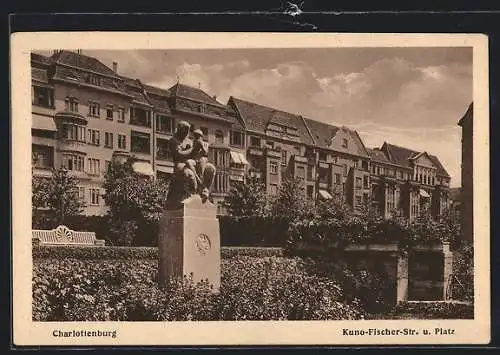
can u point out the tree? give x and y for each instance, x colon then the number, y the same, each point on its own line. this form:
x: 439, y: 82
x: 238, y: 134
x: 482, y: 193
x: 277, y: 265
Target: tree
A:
x: 135, y: 204
x: 291, y: 201
x: 247, y: 199
x: 59, y: 193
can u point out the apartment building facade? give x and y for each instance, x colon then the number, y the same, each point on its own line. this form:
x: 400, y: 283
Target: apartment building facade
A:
x: 85, y: 114
x: 467, y: 169
x: 407, y: 181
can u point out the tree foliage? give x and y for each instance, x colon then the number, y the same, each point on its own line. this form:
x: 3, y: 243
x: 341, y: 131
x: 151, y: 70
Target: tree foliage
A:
x: 247, y: 199
x: 135, y: 204
x: 59, y: 193
x: 291, y: 202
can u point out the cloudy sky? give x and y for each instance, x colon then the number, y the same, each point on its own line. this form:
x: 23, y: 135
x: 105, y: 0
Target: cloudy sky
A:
x: 412, y: 97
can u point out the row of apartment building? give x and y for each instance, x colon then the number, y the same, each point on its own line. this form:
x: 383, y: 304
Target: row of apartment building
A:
x: 84, y: 114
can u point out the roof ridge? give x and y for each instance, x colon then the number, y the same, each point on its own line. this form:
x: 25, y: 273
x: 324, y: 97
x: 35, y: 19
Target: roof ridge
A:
x: 308, y: 129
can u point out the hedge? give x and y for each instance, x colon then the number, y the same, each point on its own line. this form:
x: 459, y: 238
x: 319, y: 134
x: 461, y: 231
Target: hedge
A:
x: 135, y: 253
x: 253, y: 231
x: 126, y: 290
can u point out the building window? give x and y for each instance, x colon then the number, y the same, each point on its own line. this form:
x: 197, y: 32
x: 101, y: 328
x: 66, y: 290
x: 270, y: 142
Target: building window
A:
x: 202, y: 108
x: 284, y: 157
x: 365, y: 182
x: 355, y: 164
x: 364, y: 165
x: 273, y: 189
x: 273, y: 167
x: 322, y: 156
x: 140, y: 117
x: 80, y: 193
x: 219, y: 137
x: 109, y: 112
x: 94, y: 109
x: 122, y: 141
x: 323, y: 175
x: 358, y: 200
x: 42, y: 156
x: 237, y: 138
x: 344, y: 143
x: 94, y: 197
x: 390, y: 200
x: 73, y: 132
x: 374, y: 169
x: 345, y: 169
x: 93, y: 166
x: 309, y: 172
x: 94, y: 137
x: 164, y: 124
x: 338, y: 179
x: 162, y: 150
x: 301, y: 172
x: 270, y: 144
x: 358, y: 182
x: 379, y: 171
x: 43, y: 97
x: 254, y: 141
x: 71, y: 104
x: 433, y: 180
x: 365, y: 199
x: 335, y: 160
x: 73, y: 162
x: 140, y: 142
x: 108, y: 140
x: 310, y: 191
x: 121, y: 114
x: 420, y: 178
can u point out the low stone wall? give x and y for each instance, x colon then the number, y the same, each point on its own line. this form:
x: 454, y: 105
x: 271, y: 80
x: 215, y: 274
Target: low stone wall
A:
x: 420, y: 274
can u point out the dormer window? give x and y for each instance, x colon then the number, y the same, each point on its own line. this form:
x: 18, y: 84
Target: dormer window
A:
x: 94, y: 80
x: 344, y: 143
x: 202, y: 108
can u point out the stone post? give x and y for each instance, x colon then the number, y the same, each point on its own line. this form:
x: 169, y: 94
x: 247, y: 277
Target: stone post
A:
x: 447, y: 267
x: 402, y: 277
x: 189, y: 242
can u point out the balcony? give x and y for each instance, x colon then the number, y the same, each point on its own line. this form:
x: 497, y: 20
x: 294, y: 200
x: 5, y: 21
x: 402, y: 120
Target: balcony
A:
x: 71, y: 117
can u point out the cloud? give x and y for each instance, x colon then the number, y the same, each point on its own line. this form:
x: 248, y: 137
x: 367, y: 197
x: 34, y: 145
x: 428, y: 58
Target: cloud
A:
x: 390, y: 100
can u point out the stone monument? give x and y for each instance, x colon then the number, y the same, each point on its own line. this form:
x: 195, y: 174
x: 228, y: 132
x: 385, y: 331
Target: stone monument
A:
x: 189, y: 237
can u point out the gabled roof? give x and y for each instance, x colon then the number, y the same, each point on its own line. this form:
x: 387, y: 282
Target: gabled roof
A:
x: 82, y: 62
x: 468, y: 114
x: 401, y: 156
x: 322, y: 132
x: 195, y: 94
x: 256, y: 118
x: 378, y: 156
x: 158, y: 98
x: 135, y: 89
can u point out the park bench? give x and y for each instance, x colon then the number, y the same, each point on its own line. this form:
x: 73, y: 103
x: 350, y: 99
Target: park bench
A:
x: 62, y: 235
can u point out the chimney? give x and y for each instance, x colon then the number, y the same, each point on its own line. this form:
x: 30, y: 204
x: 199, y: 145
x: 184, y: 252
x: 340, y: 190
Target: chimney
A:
x: 115, y: 67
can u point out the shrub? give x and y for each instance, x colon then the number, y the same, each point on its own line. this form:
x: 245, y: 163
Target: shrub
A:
x: 135, y: 253
x: 251, y: 289
x: 462, y: 284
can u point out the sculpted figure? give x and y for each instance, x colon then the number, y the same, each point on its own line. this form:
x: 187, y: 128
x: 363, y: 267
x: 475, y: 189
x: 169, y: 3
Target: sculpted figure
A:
x: 192, y: 171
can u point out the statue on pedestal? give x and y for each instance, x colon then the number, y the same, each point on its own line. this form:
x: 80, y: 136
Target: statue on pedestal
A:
x: 193, y: 174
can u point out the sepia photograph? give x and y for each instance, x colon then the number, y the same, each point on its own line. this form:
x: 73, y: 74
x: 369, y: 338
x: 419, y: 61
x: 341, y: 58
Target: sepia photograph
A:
x: 218, y: 185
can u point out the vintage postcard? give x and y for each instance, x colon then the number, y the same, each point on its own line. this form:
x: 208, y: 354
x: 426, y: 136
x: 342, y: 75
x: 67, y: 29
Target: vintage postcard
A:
x: 250, y: 189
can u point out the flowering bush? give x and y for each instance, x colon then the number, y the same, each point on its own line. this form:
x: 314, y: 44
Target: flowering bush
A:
x: 272, y: 288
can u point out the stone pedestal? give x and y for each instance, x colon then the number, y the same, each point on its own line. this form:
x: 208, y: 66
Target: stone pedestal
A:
x: 447, y: 268
x: 189, y: 242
